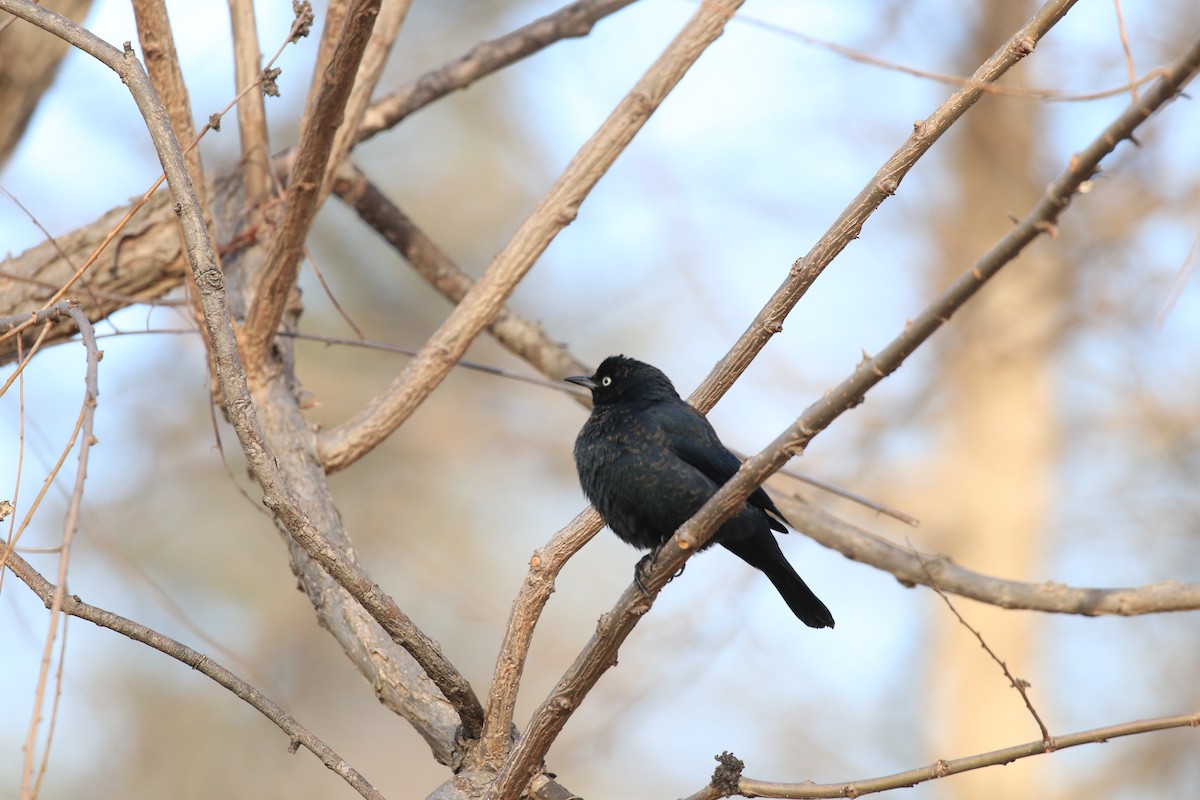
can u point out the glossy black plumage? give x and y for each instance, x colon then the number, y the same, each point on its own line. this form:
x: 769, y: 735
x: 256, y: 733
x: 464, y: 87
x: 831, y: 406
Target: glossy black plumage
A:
x: 648, y: 461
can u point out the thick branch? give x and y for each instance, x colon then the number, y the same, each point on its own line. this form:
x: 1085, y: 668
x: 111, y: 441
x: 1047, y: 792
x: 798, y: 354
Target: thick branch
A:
x: 278, y: 495
x: 370, y: 70
x: 353, y: 439
x: 162, y: 65
x: 321, y: 121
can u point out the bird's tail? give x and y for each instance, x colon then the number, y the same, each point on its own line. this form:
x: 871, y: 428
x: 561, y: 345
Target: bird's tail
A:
x: 762, y: 552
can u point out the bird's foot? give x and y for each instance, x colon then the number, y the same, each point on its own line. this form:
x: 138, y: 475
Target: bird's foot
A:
x: 644, y: 563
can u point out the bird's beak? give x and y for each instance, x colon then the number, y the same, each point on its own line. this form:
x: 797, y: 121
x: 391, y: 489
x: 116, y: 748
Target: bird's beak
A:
x: 582, y: 380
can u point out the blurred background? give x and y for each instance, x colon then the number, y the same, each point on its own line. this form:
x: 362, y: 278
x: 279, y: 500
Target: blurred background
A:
x: 1050, y: 432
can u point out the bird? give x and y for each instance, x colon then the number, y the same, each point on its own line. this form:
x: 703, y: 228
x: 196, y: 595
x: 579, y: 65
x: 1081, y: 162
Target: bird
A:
x: 648, y: 460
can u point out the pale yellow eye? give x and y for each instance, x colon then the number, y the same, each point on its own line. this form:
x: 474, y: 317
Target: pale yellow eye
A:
x: 606, y: 381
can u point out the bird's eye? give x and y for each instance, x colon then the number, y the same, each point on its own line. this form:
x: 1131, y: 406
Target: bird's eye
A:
x: 606, y: 380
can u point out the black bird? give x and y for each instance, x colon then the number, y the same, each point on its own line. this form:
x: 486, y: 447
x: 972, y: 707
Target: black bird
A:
x: 648, y: 461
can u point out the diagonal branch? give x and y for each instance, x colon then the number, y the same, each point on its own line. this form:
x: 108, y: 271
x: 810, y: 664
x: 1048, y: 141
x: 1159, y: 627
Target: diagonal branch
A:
x: 535, y: 591
x: 883, y: 184
x: 1019, y: 684
x: 518, y: 335
x: 297, y: 733
x: 571, y: 21
x: 278, y: 276
x: 370, y: 70
x: 243, y: 416
x: 601, y: 651
x: 151, y: 259
x: 345, y: 444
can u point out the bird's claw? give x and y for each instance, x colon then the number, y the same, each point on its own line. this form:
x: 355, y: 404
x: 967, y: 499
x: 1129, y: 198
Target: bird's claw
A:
x: 641, y: 565
x: 644, y: 563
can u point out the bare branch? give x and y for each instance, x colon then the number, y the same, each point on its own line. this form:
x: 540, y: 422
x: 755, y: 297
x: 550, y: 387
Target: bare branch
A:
x: 573, y: 20
x: 162, y: 65
x: 297, y: 733
x: 868, y: 548
x: 600, y: 652
x: 518, y: 335
x: 1019, y: 684
x: 278, y: 494
x: 277, y: 278
x: 251, y: 110
x: 749, y: 787
x: 391, y: 18
x: 1050, y: 95
x: 544, y: 567
x: 883, y: 185
x: 83, y: 432
x: 354, y: 438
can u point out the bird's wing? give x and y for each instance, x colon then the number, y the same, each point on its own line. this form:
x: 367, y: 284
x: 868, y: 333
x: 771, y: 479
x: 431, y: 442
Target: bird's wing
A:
x: 691, y: 437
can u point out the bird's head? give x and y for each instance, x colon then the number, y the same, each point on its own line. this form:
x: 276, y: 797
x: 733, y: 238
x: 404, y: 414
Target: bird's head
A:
x: 620, y: 379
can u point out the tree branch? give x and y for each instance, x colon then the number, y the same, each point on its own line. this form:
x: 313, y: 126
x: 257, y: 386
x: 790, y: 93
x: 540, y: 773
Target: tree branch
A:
x: 297, y: 733
x: 519, y: 336
x: 277, y: 278
x: 748, y: 787
x: 883, y: 184
x: 600, y: 652
x: 278, y: 494
x: 251, y: 109
x: 535, y: 591
x: 345, y: 444
x: 906, y: 565
x: 572, y: 20
x: 370, y: 70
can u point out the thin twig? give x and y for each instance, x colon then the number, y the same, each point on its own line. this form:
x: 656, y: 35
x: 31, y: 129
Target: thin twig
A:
x: 749, y: 787
x: 83, y: 431
x: 572, y: 20
x: 1049, y: 95
x: 1020, y: 684
x: 1133, y: 86
x: 1186, y: 270
x: 297, y: 733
